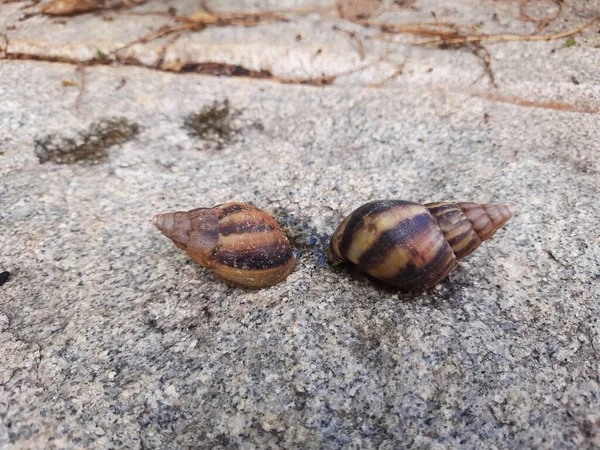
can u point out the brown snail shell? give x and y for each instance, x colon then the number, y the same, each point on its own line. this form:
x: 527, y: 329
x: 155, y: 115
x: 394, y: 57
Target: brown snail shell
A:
x: 414, y: 246
x: 236, y: 241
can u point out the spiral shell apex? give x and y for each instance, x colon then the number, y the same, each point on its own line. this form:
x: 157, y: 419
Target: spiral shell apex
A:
x: 414, y: 246
x: 236, y: 241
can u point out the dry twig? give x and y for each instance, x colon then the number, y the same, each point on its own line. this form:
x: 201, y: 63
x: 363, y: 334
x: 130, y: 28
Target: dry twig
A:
x: 352, y: 35
x: 399, y: 71
x: 448, y: 34
x: 458, y: 40
x: 486, y: 60
x: 203, y: 18
x: 544, y: 21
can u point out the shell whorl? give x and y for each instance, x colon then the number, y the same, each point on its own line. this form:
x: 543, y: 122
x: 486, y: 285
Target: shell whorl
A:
x: 395, y: 241
x: 195, y: 231
x: 466, y: 225
x: 236, y: 241
x: 414, y: 246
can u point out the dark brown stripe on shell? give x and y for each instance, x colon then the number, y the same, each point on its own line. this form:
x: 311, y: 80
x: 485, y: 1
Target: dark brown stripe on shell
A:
x: 264, y: 256
x: 231, y: 209
x: 452, y: 218
x: 358, y: 215
x: 439, y: 208
x: 449, y: 217
x: 468, y: 234
x: 246, y: 227
x: 474, y: 242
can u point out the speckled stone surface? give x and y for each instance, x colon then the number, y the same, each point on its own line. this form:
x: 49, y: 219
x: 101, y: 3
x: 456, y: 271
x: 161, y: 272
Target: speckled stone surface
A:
x: 110, y: 337
x: 318, y: 42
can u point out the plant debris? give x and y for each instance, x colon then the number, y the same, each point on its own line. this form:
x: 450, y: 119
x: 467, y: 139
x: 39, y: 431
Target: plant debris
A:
x: 218, y: 70
x: 463, y: 39
x: 203, y: 18
x: 90, y: 147
x: 448, y: 35
x: 74, y: 7
x: 352, y: 35
x: 544, y: 21
x: 358, y: 9
x: 443, y: 34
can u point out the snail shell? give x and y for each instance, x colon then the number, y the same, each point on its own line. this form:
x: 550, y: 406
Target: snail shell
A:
x: 414, y: 246
x: 236, y: 241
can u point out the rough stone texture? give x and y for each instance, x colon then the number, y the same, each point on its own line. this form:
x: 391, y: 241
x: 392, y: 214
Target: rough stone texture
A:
x: 110, y: 337
x: 317, y: 44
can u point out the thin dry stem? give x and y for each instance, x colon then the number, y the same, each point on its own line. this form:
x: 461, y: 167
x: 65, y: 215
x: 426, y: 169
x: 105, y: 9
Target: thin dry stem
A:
x: 399, y: 71
x: 359, y: 43
x: 419, y: 28
x: 486, y: 60
x: 81, y: 90
x: 152, y: 36
x: 163, y: 51
x: 329, y: 79
x: 505, y: 37
x: 204, y: 17
x: 544, y: 21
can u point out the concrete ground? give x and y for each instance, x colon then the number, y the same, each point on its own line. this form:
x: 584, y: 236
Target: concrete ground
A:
x: 111, y: 337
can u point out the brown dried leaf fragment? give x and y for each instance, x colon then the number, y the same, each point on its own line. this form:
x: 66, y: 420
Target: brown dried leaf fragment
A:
x: 74, y: 7
x: 70, y: 7
x: 69, y: 83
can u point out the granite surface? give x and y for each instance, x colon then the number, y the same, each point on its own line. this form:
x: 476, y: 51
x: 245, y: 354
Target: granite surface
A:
x: 111, y: 337
x: 314, y: 41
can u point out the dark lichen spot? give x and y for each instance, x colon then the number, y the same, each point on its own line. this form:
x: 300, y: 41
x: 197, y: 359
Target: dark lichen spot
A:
x: 4, y: 276
x: 212, y: 125
x: 90, y: 147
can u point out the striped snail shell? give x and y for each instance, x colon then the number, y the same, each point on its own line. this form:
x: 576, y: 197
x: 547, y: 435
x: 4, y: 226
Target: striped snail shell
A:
x: 414, y: 246
x: 236, y: 241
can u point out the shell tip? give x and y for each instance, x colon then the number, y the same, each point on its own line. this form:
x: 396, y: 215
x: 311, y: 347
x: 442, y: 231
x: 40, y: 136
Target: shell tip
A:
x: 158, y: 221
x: 512, y: 209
